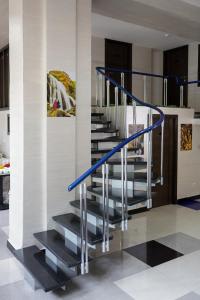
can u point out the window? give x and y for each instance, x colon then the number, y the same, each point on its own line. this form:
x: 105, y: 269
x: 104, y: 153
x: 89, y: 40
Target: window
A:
x: 4, y: 78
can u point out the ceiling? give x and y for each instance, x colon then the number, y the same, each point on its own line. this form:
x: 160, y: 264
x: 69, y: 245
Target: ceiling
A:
x: 4, y: 22
x: 179, y: 18
x: 106, y: 27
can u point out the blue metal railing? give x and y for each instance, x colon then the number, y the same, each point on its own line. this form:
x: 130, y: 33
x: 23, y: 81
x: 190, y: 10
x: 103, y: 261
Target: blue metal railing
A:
x: 107, y: 156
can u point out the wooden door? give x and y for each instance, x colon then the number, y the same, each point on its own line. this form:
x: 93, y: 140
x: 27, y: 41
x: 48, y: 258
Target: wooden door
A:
x: 166, y: 194
x: 118, y: 55
x: 176, y: 63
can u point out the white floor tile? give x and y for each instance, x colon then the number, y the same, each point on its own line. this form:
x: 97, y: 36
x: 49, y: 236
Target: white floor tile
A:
x: 10, y: 271
x: 184, y: 270
x: 151, y: 285
x: 5, y: 229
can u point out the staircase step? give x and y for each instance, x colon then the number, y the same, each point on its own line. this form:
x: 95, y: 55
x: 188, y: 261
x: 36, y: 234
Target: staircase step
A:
x: 97, y: 114
x: 115, y: 195
x: 138, y: 177
x: 40, y: 272
x: 138, y: 161
x: 105, y: 130
x: 58, y: 275
x: 96, y: 210
x: 109, y: 139
x: 101, y: 122
x: 72, y: 223
x: 101, y: 151
x: 55, y: 243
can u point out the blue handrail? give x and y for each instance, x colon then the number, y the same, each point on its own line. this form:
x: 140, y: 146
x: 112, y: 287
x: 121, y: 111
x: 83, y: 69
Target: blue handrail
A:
x: 100, y: 162
x: 185, y: 82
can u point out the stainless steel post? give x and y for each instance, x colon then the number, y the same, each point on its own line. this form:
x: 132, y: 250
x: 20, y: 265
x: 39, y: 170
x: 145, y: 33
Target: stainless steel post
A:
x: 107, y: 209
x: 108, y: 99
x: 162, y: 153
x: 145, y: 88
x: 122, y: 84
x: 125, y: 189
x: 116, y: 107
x: 85, y: 227
x: 97, y: 89
x: 149, y: 161
x: 165, y: 91
x: 101, y: 90
x: 122, y: 189
x: 82, y: 231
x: 134, y: 113
x: 125, y: 116
x: 104, y: 209
x: 181, y: 95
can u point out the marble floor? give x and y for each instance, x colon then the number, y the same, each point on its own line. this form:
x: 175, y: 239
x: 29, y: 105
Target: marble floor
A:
x: 140, y: 272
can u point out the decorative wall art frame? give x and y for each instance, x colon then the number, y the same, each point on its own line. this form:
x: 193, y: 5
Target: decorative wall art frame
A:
x: 186, y: 137
x: 136, y: 145
x: 61, y: 95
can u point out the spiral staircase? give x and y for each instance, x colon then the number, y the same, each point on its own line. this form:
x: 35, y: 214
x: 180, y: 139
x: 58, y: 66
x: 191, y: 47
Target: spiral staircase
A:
x: 117, y: 182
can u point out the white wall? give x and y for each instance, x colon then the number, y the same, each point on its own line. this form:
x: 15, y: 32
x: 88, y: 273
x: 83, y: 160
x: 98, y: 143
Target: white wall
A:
x: 4, y: 137
x: 193, y: 90
x: 143, y: 60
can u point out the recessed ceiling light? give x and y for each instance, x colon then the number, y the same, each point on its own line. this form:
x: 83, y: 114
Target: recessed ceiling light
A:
x: 166, y: 35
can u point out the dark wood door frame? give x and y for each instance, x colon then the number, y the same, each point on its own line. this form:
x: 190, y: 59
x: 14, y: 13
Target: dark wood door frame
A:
x: 119, y: 55
x: 166, y: 194
x: 175, y: 62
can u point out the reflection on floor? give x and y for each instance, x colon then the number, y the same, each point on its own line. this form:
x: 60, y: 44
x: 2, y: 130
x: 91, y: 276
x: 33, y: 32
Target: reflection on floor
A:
x: 168, y: 270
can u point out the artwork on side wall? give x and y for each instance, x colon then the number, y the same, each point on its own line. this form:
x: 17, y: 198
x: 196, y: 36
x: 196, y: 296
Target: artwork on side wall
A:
x: 138, y: 144
x: 61, y: 95
x: 186, y: 137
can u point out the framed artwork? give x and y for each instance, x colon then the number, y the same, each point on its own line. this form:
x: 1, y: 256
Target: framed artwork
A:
x: 186, y: 137
x: 136, y: 145
x: 61, y: 95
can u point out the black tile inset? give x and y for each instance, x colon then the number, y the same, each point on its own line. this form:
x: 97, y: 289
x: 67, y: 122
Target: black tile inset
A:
x: 153, y: 253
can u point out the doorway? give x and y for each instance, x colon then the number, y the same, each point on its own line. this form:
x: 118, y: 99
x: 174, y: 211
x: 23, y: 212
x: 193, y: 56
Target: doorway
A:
x: 166, y: 194
x: 176, y: 63
x: 118, y: 55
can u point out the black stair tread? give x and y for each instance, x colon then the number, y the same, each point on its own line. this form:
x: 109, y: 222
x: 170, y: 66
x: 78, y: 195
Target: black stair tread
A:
x: 130, y: 161
x: 97, y: 114
x: 97, y: 151
x: 138, y: 177
x: 59, y: 276
x: 55, y: 243
x: 96, y: 209
x: 115, y: 195
x: 100, y: 122
x: 72, y: 223
x: 105, y: 130
x: 109, y: 139
x: 27, y: 257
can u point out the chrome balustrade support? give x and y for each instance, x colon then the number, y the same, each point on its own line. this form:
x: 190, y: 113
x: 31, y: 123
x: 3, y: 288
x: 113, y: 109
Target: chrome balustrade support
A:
x: 145, y: 88
x: 125, y: 187
x: 85, y: 227
x: 181, y: 95
x: 162, y: 154
x: 122, y: 84
x: 116, y: 106
x: 108, y: 99
x: 125, y: 117
x: 101, y: 90
x: 107, y: 209
x: 165, y: 91
x: 97, y: 89
x: 82, y: 231
x: 122, y: 190
x: 104, y: 208
x: 149, y: 161
x: 134, y: 113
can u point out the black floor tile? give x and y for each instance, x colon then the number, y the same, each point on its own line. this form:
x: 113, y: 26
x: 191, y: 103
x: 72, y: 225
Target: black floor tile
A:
x: 153, y: 253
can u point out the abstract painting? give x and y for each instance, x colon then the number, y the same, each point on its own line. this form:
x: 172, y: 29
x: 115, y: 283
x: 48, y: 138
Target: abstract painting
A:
x: 136, y: 145
x: 186, y: 137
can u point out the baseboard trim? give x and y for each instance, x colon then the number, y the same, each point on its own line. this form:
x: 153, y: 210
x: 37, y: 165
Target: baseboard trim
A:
x: 189, y: 198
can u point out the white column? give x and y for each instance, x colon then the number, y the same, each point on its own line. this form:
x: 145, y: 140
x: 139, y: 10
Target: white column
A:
x: 27, y: 111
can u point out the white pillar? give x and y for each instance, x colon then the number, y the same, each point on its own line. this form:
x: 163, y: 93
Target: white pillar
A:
x: 27, y: 111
